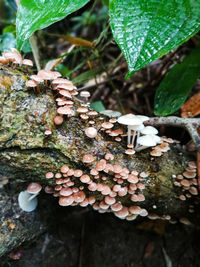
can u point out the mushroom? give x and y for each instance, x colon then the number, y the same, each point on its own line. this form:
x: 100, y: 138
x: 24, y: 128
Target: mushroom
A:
x: 110, y: 113
x: 25, y: 202
x: 85, y: 95
x: 145, y: 141
x: 130, y: 120
x: 34, y: 189
x: 149, y: 130
x: 27, y: 62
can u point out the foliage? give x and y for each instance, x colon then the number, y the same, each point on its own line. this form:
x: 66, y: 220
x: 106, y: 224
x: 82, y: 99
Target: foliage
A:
x: 144, y: 29
x: 176, y: 86
x: 147, y: 29
x: 34, y: 15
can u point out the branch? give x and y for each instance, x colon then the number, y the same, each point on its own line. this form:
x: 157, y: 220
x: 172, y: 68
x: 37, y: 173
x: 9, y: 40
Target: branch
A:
x: 190, y: 124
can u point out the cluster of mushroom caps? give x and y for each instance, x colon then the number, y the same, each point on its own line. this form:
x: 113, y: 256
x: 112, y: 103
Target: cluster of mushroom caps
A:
x: 187, y: 182
x: 139, y: 136
x: 15, y: 58
x: 105, y: 187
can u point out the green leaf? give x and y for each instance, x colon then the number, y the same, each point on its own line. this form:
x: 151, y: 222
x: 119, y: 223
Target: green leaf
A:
x: 33, y: 15
x: 147, y: 29
x: 86, y: 76
x: 10, y: 29
x: 98, y: 106
x: 176, y: 85
x: 8, y: 41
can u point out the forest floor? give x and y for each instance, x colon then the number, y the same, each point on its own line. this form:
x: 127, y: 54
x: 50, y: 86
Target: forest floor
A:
x: 82, y: 237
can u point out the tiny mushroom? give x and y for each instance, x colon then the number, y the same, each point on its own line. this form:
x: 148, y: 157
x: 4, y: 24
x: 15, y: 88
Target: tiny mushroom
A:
x: 34, y: 189
x: 25, y: 202
x: 145, y: 141
x: 130, y: 120
x: 85, y: 95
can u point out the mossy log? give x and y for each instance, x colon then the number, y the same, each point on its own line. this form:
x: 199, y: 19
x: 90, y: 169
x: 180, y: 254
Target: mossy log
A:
x: 16, y: 226
x: 26, y: 154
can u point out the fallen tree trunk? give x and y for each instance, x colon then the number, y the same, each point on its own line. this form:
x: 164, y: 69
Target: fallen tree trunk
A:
x: 27, y: 154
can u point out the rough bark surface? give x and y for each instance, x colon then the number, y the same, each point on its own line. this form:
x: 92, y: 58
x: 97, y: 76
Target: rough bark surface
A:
x: 26, y: 154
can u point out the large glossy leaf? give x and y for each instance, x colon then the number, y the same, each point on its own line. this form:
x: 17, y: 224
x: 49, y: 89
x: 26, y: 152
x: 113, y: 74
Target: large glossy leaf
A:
x: 34, y: 15
x: 177, y: 84
x: 147, y: 29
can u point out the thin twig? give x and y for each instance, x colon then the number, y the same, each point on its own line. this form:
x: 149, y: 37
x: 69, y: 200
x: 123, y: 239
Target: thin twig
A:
x: 190, y: 124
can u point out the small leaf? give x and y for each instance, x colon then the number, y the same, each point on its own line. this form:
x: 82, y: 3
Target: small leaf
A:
x: 8, y: 41
x: 147, y: 29
x: 191, y: 107
x: 33, y: 15
x: 86, y: 76
x: 10, y: 29
x: 175, y: 87
x: 98, y: 106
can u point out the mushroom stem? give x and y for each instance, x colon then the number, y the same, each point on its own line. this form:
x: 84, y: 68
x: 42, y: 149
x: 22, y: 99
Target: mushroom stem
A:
x: 33, y: 196
x: 138, y: 135
x: 141, y: 148
x: 129, y: 135
x: 38, y: 89
x: 133, y: 138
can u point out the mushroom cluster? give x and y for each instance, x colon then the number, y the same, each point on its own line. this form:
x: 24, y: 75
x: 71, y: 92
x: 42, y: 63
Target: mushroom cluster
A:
x: 136, y: 128
x: 105, y: 184
x: 104, y: 187
x: 28, y: 199
x: 15, y: 58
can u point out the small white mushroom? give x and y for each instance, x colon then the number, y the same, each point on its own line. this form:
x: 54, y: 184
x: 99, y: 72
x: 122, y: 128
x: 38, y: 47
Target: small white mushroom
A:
x: 149, y: 130
x: 110, y: 113
x: 137, y: 130
x: 130, y: 120
x: 25, y: 202
x: 145, y: 141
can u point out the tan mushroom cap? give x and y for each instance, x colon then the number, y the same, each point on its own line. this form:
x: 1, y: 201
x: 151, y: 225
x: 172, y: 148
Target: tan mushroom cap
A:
x: 85, y: 178
x: 69, y: 87
x: 27, y: 62
x: 64, y: 169
x: 3, y: 60
x: 116, y: 206
x: 189, y: 175
x: 100, y: 166
x: 34, y: 188
x: 88, y: 158
x: 109, y: 156
x: 107, y: 125
x: 92, y: 113
x: 49, y: 175
x: 66, y: 201
x: 122, y: 213
x: 31, y: 83
x: 85, y: 94
x: 82, y: 110
x: 78, y: 173
x: 67, y: 191
x: 48, y: 75
x: 36, y: 78
x: 65, y: 93
x: 156, y: 153
x: 79, y: 196
x: 64, y: 110
x: 58, y: 120
x: 129, y: 151
x: 61, y: 81
x: 91, y: 132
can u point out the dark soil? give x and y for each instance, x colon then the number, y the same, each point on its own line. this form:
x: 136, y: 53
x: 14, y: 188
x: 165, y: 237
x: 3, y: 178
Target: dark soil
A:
x: 84, y: 238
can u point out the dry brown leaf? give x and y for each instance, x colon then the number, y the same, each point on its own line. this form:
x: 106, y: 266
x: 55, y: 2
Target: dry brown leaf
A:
x: 191, y: 107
